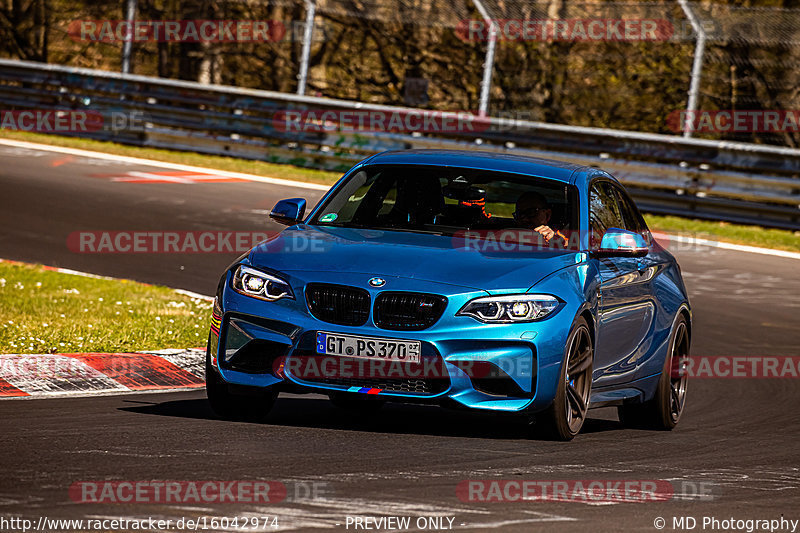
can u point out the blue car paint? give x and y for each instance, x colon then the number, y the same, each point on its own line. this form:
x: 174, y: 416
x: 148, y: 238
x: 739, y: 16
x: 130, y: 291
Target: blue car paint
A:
x: 430, y: 263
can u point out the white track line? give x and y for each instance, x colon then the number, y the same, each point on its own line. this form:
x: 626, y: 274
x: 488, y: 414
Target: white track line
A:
x: 725, y: 245
x: 318, y: 187
x: 196, y: 295
x: 162, y: 164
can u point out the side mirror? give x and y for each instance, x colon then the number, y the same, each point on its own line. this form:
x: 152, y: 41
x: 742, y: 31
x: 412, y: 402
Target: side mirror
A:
x: 289, y: 212
x: 621, y: 243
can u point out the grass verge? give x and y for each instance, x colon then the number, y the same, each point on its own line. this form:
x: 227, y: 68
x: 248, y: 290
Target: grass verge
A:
x: 723, y: 231
x: 719, y: 231
x: 42, y: 311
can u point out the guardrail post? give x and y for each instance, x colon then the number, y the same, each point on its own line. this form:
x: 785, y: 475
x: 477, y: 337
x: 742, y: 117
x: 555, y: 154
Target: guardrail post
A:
x: 127, y: 46
x: 697, y: 68
x: 488, y: 65
x: 308, y: 33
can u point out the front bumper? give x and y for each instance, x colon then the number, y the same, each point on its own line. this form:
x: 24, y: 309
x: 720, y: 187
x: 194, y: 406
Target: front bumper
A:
x: 500, y: 367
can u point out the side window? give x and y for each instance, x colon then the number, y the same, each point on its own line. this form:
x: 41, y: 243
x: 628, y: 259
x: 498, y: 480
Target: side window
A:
x: 630, y: 214
x: 604, y: 212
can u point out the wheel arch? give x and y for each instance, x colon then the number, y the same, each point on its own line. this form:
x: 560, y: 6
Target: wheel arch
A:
x: 587, y: 315
x: 687, y: 314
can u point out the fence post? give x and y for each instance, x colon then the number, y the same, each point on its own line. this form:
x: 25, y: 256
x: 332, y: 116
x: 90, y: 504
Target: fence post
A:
x: 308, y: 33
x: 697, y: 68
x: 488, y: 65
x: 127, y: 46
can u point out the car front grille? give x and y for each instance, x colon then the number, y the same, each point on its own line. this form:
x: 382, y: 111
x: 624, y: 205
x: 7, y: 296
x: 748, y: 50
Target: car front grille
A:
x: 407, y: 378
x: 413, y: 386
x: 338, y: 304
x: 408, y: 310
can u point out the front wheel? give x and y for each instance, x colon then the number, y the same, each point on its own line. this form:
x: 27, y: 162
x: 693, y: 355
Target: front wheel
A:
x: 665, y: 409
x: 565, y: 417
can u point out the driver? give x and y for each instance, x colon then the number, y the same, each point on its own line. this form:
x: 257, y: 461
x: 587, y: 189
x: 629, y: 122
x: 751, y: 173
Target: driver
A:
x: 533, y: 211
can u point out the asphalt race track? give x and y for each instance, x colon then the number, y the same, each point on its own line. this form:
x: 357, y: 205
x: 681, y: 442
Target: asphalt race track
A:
x: 737, y: 442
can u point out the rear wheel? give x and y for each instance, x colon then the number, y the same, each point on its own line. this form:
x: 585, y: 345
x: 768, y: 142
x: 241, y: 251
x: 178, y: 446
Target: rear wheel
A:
x: 252, y: 404
x: 665, y: 409
x: 564, y: 419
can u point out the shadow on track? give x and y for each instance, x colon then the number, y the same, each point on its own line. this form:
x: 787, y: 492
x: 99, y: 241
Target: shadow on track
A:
x: 412, y: 419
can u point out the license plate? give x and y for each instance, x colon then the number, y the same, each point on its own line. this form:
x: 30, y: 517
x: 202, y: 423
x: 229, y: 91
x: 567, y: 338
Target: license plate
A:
x: 368, y: 347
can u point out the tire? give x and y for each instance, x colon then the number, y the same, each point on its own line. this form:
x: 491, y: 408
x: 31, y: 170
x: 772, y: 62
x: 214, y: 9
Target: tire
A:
x: 664, y: 410
x: 564, y: 419
x: 254, y: 405
x: 357, y: 403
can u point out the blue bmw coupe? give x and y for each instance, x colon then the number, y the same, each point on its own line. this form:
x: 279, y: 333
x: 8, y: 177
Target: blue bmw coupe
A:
x: 466, y: 279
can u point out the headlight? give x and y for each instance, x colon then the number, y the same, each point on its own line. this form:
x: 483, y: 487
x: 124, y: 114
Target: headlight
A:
x: 252, y: 282
x: 510, y: 308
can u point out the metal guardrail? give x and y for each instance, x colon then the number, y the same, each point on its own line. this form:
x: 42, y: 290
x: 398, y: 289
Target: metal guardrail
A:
x: 667, y: 174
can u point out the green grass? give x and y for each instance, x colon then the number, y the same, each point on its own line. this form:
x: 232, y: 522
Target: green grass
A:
x: 43, y: 311
x: 721, y: 231
x: 724, y: 231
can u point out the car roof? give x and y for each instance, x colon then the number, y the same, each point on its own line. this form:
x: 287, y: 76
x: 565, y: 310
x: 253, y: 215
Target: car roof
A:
x: 493, y: 161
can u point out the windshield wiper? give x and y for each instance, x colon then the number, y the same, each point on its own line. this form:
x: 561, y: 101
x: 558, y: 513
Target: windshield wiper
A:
x: 354, y: 225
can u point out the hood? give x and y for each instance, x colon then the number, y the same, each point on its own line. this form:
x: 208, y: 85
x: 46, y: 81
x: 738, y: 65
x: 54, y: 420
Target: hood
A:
x: 427, y: 257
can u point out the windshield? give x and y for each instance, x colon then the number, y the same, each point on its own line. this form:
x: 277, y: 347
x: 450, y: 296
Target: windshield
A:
x: 449, y: 201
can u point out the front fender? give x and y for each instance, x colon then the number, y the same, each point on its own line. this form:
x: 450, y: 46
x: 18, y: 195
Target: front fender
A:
x: 578, y: 287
